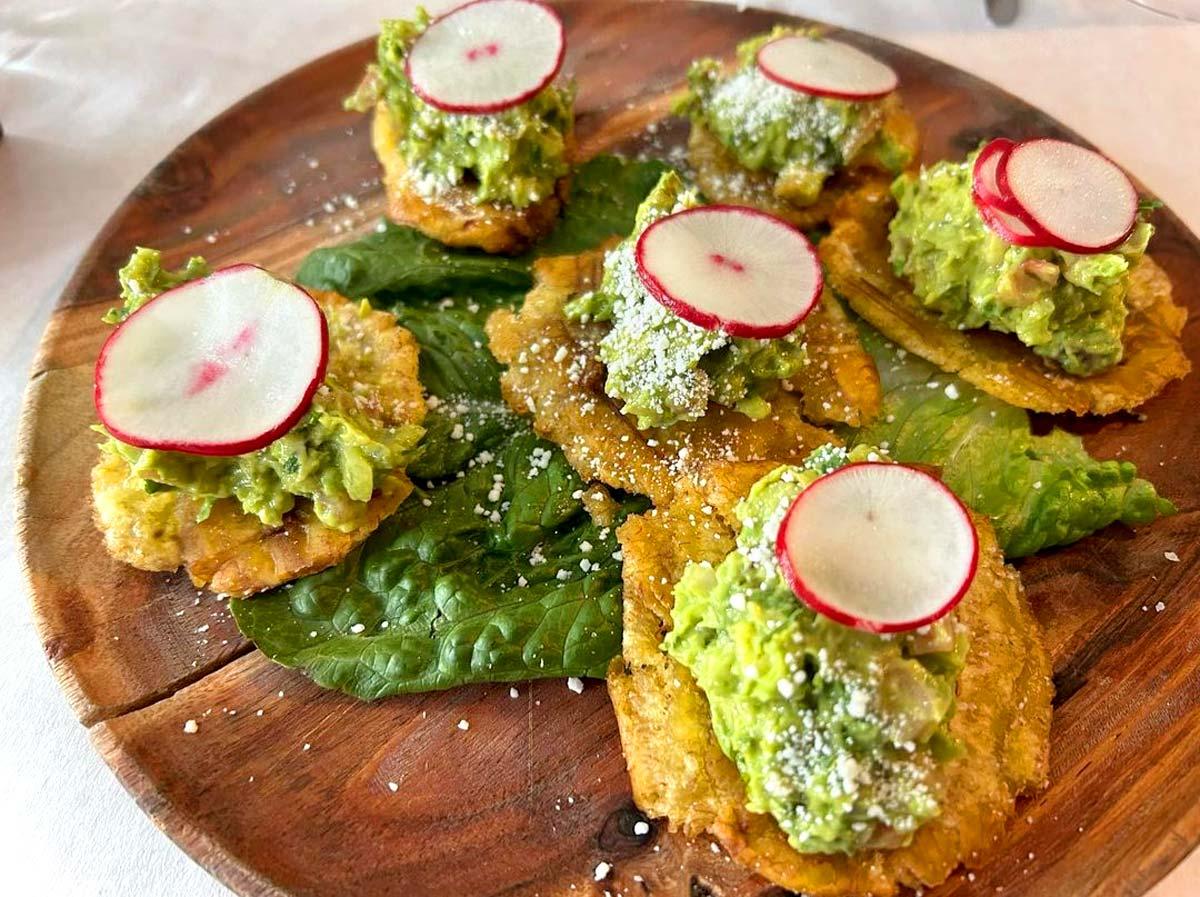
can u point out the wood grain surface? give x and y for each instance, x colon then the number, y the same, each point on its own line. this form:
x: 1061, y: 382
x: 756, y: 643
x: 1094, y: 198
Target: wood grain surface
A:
x: 286, y: 789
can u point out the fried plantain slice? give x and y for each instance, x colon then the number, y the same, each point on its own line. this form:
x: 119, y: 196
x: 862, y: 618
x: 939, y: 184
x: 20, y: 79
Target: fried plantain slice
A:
x: 678, y: 770
x: 723, y: 179
x: 456, y: 219
x: 840, y: 384
x: 233, y: 552
x: 855, y: 255
x: 554, y: 376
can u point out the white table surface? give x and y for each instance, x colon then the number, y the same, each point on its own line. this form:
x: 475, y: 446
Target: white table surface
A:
x: 94, y: 93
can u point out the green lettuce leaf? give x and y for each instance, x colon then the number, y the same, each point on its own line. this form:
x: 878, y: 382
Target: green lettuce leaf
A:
x: 605, y: 194
x: 1039, y: 491
x: 446, y: 451
x: 497, y: 576
x: 492, y: 571
x: 455, y: 360
x: 399, y: 263
x: 404, y: 263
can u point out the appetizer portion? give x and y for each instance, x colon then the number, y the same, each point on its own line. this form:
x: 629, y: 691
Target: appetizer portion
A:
x: 636, y: 392
x: 793, y: 123
x: 836, y: 760
x: 973, y: 270
x: 254, y: 432
x: 1043, y: 242
x: 700, y: 309
x: 554, y: 376
x: 474, y: 139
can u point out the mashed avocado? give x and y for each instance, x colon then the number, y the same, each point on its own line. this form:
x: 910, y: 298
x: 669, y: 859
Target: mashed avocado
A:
x: 662, y: 367
x: 802, y: 138
x: 144, y: 277
x: 336, y: 456
x: 512, y: 157
x: 1068, y: 308
x: 836, y: 732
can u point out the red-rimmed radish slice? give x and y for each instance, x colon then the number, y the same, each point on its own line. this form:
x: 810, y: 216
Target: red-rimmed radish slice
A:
x: 826, y: 68
x: 486, y: 56
x: 880, y: 547
x: 1082, y: 201
x: 218, y: 366
x: 984, y: 187
x: 731, y: 268
x: 1011, y: 228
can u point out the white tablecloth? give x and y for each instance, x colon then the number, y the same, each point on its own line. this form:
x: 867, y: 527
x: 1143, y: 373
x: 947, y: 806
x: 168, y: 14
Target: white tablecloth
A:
x: 93, y: 93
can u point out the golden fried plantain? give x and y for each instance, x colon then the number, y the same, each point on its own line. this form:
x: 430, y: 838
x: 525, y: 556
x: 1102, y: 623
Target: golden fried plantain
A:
x: 855, y: 255
x: 723, y: 179
x: 555, y: 376
x: 455, y: 218
x: 678, y: 770
x: 840, y: 384
x: 233, y: 552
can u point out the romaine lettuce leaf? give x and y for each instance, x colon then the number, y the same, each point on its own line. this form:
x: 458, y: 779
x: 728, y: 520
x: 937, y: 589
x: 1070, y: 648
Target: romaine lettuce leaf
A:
x: 1039, y: 491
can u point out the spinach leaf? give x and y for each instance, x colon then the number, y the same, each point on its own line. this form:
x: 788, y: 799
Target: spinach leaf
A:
x: 446, y: 449
x: 401, y: 264
x: 455, y: 360
x: 1039, y: 491
x: 605, y: 194
x: 405, y: 263
x: 496, y: 576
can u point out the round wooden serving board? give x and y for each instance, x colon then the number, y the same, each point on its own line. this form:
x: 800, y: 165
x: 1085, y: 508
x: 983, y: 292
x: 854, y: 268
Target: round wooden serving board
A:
x: 290, y: 790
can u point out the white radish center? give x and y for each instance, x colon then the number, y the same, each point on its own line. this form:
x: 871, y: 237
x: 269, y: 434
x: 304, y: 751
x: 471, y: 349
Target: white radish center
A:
x: 486, y: 56
x: 881, y: 545
x: 218, y: 361
x: 1076, y: 195
x: 826, y: 68
x: 730, y: 268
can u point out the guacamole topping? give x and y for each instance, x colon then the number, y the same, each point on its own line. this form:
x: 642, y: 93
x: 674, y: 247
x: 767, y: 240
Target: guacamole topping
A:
x: 663, y: 368
x: 336, y: 456
x: 837, y: 733
x: 511, y: 157
x: 1066, y: 307
x: 802, y: 138
x: 144, y: 277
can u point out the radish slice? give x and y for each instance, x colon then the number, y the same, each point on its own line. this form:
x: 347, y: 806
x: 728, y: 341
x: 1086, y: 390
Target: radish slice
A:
x: 1082, y: 201
x: 486, y: 56
x: 218, y: 366
x: 826, y: 68
x: 879, y: 547
x: 731, y: 268
x: 983, y: 177
x: 1011, y: 228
